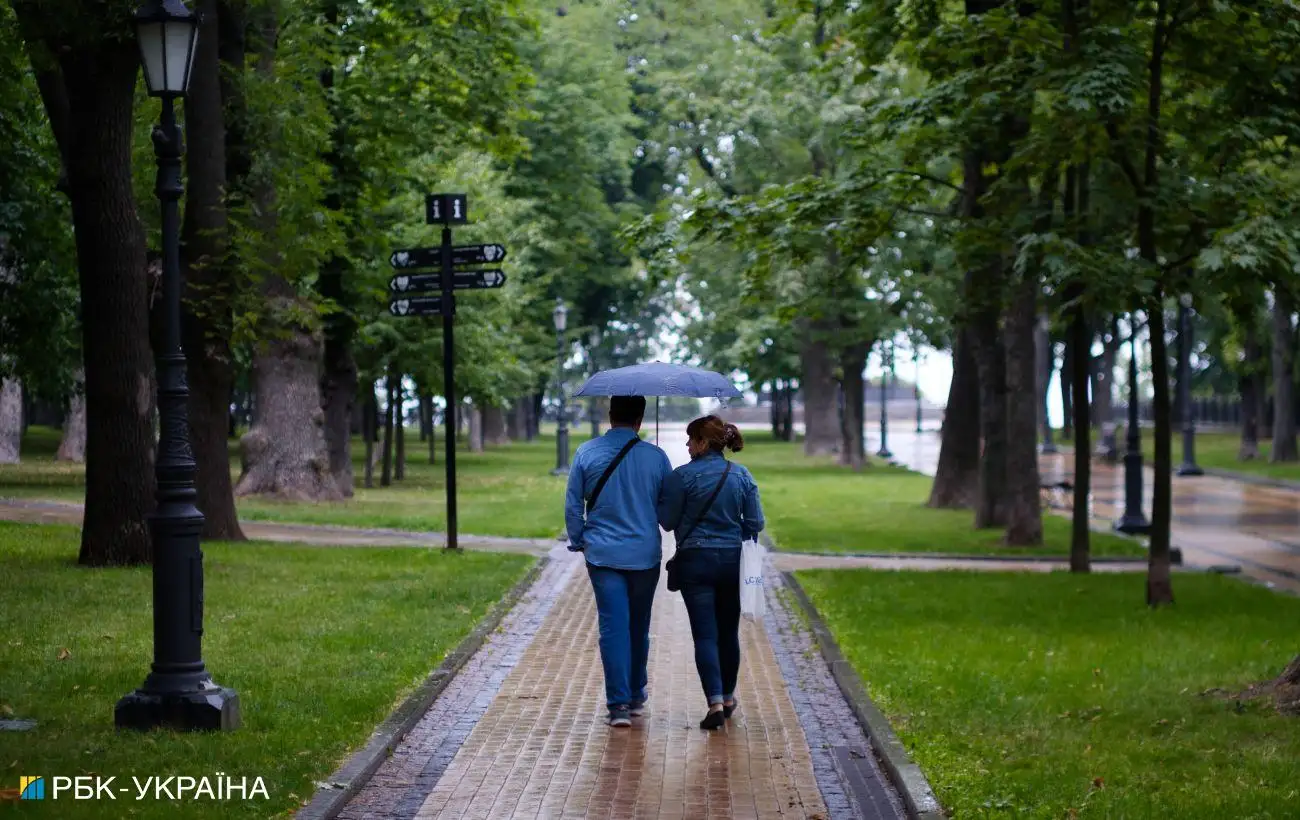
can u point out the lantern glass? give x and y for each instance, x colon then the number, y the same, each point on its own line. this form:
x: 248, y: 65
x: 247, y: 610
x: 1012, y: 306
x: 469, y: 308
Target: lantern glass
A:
x: 1185, y: 300
x: 561, y: 316
x: 167, y: 34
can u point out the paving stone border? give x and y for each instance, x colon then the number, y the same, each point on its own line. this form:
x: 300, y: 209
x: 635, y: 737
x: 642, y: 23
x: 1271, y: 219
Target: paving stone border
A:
x: 913, y: 788
x: 1252, y: 478
x: 344, y: 784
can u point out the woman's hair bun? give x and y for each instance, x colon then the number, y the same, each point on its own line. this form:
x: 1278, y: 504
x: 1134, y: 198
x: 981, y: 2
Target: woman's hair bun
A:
x: 734, y: 440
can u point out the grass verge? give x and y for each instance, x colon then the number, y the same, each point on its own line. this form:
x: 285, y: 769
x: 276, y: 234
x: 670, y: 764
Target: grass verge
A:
x: 505, y: 491
x: 1219, y: 451
x: 320, y: 643
x: 815, y: 505
x: 1061, y: 696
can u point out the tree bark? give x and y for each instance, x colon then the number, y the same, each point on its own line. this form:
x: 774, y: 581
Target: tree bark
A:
x: 386, y: 477
x: 1251, y: 383
x: 1104, y: 398
x: 1067, y: 389
x: 206, y: 320
x: 369, y: 416
x: 1024, y: 519
x: 787, y: 431
x: 475, y: 429
x: 990, y: 508
x: 425, y: 423
x: 494, y: 426
x: 820, y: 415
x: 11, y: 421
x: 433, y: 435
x: 1080, y: 534
x: 956, y: 481
x: 1284, y: 423
x: 338, y: 394
x: 73, y: 445
x: 853, y: 447
x: 1159, y: 570
x: 399, y: 430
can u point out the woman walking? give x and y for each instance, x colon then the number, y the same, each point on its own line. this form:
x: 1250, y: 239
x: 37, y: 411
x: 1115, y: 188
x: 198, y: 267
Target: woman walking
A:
x: 712, y: 506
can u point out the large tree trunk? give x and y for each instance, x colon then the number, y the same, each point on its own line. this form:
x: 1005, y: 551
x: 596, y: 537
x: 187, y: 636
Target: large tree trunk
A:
x: 72, y: 447
x: 1024, y: 514
x: 1284, y: 423
x: 853, y: 447
x: 494, y: 426
x: 820, y: 413
x: 11, y: 421
x: 1251, y: 380
x: 284, y: 454
x: 391, y: 390
x: 100, y: 82
x: 338, y: 395
x: 475, y: 414
x: 1080, y: 534
x: 956, y: 481
x: 206, y: 321
x: 1159, y: 571
x: 990, y: 508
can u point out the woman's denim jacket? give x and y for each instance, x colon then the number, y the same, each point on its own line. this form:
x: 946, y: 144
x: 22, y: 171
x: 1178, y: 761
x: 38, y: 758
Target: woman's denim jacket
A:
x: 736, y: 514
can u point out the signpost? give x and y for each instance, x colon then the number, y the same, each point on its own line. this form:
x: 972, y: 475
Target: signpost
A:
x: 445, y: 210
x: 462, y: 280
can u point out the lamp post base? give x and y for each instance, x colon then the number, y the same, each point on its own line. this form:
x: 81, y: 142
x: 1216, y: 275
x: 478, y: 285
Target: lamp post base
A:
x: 1190, y: 469
x: 884, y: 453
x: 208, y: 708
x: 1133, y: 525
x: 1048, y: 448
x: 560, y: 471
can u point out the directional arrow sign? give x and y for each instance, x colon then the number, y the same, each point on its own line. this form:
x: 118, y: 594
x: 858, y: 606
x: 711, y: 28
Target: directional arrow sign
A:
x: 432, y: 282
x: 432, y: 257
x: 416, y: 306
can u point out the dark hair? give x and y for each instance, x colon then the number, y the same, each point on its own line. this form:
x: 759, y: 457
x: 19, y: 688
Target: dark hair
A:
x: 717, y: 433
x: 626, y: 409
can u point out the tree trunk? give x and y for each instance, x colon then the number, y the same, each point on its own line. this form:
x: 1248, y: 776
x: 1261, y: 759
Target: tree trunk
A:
x: 100, y: 81
x: 1067, y: 389
x: 1080, y: 534
x: 433, y: 436
x: 475, y: 429
x: 1159, y: 571
x: 1284, y: 422
x: 1104, y: 398
x: 990, y: 508
x: 1024, y: 520
x: 424, y: 408
x: 338, y: 394
x: 206, y: 321
x: 820, y: 416
x: 956, y: 481
x: 73, y: 445
x: 390, y: 390
x: 1252, y: 384
x: 1045, y: 366
x: 787, y: 431
x: 514, y: 421
x: 368, y: 418
x: 284, y: 454
x: 11, y: 421
x: 399, y: 430
x: 774, y: 408
x: 494, y: 426
x: 853, y: 447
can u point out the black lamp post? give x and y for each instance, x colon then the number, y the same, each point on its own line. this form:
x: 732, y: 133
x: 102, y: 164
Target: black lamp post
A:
x: 885, y: 364
x: 1133, y: 521
x: 178, y: 693
x: 1043, y: 344
x: 561, y: 315
x: 1189, y: 466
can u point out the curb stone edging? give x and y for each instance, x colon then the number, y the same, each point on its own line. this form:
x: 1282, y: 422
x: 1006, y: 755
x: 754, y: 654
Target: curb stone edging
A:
x: 918, y: 798
x: 346, y: 782
x: 1252, y: 478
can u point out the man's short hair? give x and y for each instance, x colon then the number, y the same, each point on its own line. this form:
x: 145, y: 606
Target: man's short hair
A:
x: 626, y: 409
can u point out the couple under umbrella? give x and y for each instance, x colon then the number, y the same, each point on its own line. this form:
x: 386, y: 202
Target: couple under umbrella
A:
x: 620, y: 491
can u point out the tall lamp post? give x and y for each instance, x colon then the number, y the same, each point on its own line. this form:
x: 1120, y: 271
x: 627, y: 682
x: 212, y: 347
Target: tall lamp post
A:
x: 885, y: 364
x: 178, y: 693
x: 1043, y: 348
x: 1189, y: 466
x: 1133, y: 521
x: 561, y: 317
x: 916, y: 361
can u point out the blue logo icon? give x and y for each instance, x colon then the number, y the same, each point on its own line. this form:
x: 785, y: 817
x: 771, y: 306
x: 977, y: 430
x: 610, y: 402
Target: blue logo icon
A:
x: 31, y: 788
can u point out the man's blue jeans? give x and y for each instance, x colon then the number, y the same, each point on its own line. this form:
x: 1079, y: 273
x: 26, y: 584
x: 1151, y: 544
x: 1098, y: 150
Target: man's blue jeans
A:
x: 711, y: 589
x: 623, y: 601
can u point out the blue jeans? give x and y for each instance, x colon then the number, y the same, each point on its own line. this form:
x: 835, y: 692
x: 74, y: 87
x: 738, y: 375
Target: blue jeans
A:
x: 623, y: 601
x: 710, y: 579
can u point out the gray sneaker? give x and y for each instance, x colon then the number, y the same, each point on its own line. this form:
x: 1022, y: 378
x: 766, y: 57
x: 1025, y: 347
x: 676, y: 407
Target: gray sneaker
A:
x: 637, y: 709
x: 620, y: 716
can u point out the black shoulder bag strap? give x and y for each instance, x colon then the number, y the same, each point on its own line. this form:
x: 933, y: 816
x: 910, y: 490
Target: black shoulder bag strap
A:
x: 600, y: 485
x: 707, y: 504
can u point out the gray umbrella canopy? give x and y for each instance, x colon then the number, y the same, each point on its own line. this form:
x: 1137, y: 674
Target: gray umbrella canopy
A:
x: 660, y: 379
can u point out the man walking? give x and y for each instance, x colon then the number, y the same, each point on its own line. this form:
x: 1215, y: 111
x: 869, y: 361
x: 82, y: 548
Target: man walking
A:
x: 611, y: 513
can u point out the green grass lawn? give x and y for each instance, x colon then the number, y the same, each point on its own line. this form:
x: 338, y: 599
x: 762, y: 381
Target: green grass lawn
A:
x: 815, y: 505
x: 1219, y: 451
x: 320, y: 643
x: 1063, y: 696
x: 506, y: 491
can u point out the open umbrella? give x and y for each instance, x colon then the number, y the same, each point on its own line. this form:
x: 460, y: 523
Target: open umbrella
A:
x: 659, y: 379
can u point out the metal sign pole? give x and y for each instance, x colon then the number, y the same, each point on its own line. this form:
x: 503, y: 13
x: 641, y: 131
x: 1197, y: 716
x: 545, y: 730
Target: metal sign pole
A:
x: 449, y: 383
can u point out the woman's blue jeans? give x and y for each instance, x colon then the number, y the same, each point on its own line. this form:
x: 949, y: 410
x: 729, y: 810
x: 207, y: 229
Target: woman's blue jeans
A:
x: 710, y: 580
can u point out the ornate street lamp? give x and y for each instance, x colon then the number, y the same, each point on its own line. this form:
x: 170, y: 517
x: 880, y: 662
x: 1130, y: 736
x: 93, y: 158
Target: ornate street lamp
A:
x: 1189, y: 466
x: 178, y: 693
x: 1133, y: 521
x: 885, y: 364
x: 561, y: 317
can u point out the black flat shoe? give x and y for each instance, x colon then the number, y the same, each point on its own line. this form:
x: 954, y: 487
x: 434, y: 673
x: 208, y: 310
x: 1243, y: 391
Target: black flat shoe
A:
x: 713, y: 720
x: 728, y: 711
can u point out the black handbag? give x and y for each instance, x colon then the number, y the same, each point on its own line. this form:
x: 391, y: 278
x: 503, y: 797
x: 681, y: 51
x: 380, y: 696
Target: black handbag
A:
x: 674, y: 576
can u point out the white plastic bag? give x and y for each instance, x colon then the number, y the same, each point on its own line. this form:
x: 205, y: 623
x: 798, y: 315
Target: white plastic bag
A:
x: 753, y: 601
